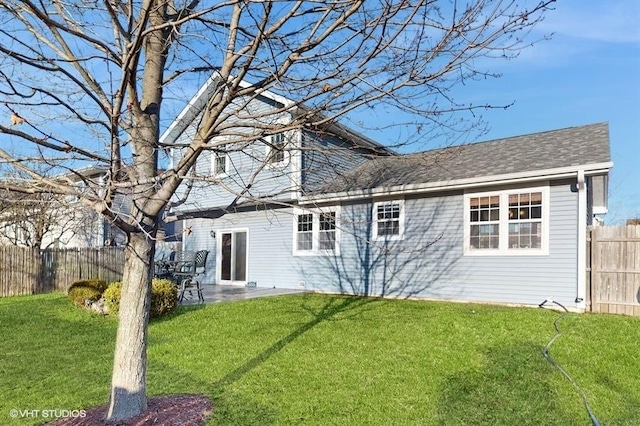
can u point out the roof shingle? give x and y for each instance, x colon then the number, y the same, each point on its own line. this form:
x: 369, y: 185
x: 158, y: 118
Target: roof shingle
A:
x: 574, y: 146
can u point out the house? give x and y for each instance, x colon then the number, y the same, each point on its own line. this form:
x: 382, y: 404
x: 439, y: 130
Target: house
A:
x: 50, y: 220
x: 55, y: 221
x: 329, y: 210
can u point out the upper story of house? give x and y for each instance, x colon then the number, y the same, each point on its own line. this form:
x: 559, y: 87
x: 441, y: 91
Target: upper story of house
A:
x: 261, y: 153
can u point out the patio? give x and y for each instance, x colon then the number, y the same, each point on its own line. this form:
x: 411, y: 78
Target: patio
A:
x: 228, y: 293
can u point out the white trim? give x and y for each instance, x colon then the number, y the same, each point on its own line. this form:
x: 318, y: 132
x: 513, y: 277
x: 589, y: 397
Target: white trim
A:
x: 219, y: 256
x: 581, y: 284
x: 191, y: 110
x: 268, y: 94
x: 296, y: 165
x: 484, y: 181
x: 315, y: 229
x: 600, y: 210
x: 374, y: 220
x: 503, y: 246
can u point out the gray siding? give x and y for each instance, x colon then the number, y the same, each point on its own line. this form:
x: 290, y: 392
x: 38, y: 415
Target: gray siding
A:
x: 274, y: 182
x: 244, y: 160
x: 325, y: 157
x: 270, y: 235
x: 532, y: 279
x: 428, y: 263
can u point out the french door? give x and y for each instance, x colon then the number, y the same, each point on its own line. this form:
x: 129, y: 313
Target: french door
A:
x: 232, y: 252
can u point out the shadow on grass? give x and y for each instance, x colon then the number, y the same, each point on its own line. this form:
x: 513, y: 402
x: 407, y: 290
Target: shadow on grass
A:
x: 512, y: 387
x: 325, y: 313
x: 232, y: 407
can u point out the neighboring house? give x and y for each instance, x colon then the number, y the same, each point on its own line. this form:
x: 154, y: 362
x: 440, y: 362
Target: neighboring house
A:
x: 500, y: 221
x: 64, y: 222
x: 50, y: 220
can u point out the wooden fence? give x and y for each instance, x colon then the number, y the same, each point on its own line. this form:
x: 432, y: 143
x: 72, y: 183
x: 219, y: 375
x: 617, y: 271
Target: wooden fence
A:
x: 32, y: 271
x: 614, y: 269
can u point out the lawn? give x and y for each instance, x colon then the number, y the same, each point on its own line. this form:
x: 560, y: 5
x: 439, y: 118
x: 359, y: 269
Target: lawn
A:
x: 318, y: 359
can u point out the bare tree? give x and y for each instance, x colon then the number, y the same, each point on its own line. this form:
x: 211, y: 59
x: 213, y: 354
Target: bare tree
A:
x: 93, y: 82
x: 26, y: 220
x: 43, y: 219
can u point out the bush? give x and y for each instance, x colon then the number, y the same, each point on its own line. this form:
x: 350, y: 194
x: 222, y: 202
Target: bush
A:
x: 164, y: 297
x: 81, y: 291
x: 111, y: 297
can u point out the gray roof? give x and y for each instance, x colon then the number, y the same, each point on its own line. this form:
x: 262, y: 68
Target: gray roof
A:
x: 570, y: 147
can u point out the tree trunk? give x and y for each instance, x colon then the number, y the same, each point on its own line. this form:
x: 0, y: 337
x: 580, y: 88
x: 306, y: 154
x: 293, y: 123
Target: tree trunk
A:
x: 128, y: 383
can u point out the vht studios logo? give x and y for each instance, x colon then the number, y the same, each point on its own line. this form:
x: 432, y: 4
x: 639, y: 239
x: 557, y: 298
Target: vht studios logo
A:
x: 46, y: 414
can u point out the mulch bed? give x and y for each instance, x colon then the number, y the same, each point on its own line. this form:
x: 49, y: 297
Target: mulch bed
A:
x: 170, y: 410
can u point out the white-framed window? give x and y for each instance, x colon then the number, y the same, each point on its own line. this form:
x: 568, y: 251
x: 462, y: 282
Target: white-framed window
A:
x: 276, y: 150
x: 510, y: 222
x: 316, y: 232
x: 388, y: 220
x: 327, y: 231
x: 304, y: 232
x: 220, y: 161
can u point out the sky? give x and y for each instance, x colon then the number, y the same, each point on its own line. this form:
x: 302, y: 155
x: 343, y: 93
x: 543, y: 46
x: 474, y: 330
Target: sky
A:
x: 588, y: 72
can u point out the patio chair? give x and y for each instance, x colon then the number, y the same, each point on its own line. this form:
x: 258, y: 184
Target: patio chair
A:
x: 164, y: 264
x: 187, y: 275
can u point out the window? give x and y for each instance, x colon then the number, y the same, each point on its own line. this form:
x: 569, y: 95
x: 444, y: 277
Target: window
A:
x: 525, y: 220
x: 276, y: 149
x: 327, y: 231
x: 485, y: 222
x: 316, y: 232
x: 507, y: 222
x: 388, y: 220
x: 220, y: 160
x: 304, y: 234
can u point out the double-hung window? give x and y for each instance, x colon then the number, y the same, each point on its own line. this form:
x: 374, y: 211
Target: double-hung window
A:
x: 388, y: 220
x: 220, y: 161
x: 525, y: 220
x: 327, y: 231
x: 507, y: 222
x: 304, y: 232
x: 484, y: 220
x: 316, y: 232
x: 276, y: 149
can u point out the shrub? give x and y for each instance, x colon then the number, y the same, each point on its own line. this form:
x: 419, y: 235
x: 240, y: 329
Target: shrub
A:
x: 164, y: 297
x: 81, y: 291
x: 111, y: 297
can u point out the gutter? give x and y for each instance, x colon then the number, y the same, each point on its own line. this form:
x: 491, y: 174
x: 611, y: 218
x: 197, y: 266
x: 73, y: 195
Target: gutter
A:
x: 510, y: 178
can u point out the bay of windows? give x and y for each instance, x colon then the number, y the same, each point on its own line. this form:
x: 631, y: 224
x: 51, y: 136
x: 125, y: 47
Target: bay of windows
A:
x: 315, y: 232
x: 507, y: 222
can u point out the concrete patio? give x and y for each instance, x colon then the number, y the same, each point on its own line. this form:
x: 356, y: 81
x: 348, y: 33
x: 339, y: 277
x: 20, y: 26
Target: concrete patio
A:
x: 228, y: 293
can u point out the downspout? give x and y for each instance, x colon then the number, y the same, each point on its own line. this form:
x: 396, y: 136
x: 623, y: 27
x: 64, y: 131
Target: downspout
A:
x: 582, y: 242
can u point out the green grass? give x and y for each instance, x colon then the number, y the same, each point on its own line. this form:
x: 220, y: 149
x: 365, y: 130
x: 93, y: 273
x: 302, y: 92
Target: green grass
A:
x: 328, y: 360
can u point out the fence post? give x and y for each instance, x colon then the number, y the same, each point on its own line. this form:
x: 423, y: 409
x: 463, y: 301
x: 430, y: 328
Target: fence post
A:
x: 589, y: 278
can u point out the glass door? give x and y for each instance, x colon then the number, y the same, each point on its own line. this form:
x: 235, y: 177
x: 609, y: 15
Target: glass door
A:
x: 233, y: 256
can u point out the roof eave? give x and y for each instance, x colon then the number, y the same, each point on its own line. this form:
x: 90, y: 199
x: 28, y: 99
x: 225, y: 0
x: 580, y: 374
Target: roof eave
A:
x: 190, y: 111
x: 468, y: 183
